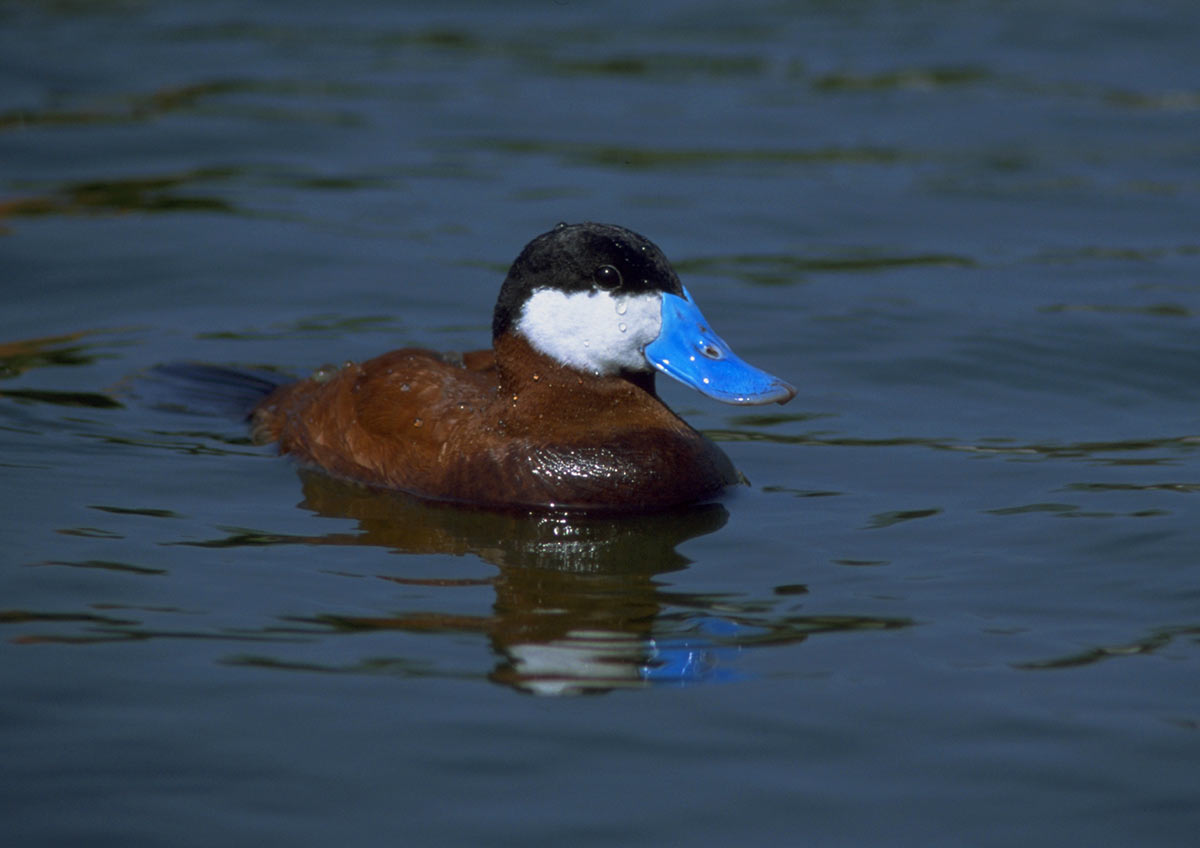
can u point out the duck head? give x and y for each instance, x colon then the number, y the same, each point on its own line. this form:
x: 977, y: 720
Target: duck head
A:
x: 604, y: 300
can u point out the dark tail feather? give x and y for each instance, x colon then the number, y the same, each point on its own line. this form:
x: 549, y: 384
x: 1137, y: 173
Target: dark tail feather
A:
x: 200, y: 389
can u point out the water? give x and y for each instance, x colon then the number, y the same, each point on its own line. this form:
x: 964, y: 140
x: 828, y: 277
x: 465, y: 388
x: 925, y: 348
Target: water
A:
x: 958, y: 603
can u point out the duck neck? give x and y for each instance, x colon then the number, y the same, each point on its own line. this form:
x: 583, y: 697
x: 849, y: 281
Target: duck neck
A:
x: 523, y: 367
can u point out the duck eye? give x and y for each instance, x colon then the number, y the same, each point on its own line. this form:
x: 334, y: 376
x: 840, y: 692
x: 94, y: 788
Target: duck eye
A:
x: 607, y: 277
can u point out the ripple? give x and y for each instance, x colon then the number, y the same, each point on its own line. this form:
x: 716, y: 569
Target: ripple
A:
x: 131, y: 194
x: 984, y: 447
x: 89, y: 533
x: 281, y: 33
x: 242, y: 538
x: 644, y: 158
x: 100, y: 629
x: 1135, y: 487
x: 801, y: 493
x: 1175, y: 100
x: 315, y: 326
x: 819, y: 439
x: 1092, y: 253
x: 757, y: 631
x: 1150, y: 644
x: 921, y: 79
x: 148, y: 512
x: 1163, y: 310
x: 106, y: 565
x: 194, y: 443
x: 660, y: 66
x: 770, y: 419
x: 781, y: 269
x: 1063, y: 510
x: 889, y: 519
x: 125, y: 109
x: 47, y: 352
x: 19, y: 617
x: 138, y: 108
x: 386, y: 666
x: 92, y: 400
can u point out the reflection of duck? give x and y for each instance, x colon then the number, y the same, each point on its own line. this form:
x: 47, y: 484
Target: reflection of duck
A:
x: 576, y: 599
x: 561, y: 412
x: 579, y: 604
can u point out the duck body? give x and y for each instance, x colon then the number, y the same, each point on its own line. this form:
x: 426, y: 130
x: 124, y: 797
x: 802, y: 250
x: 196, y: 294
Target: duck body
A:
x: 560, y: 413
x: 538, y: 435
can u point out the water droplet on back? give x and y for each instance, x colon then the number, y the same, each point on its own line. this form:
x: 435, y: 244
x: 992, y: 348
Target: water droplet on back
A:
x: 324, y: 374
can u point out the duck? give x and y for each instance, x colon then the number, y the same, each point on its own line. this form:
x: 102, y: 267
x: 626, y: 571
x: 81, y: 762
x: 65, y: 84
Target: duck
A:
x: 560, y: 413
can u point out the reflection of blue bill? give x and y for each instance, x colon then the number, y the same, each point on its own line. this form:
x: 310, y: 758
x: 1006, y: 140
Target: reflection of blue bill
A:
x: 689, y: 660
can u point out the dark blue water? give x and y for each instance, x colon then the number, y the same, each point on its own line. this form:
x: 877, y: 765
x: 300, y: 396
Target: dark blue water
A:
x: 959, y: 603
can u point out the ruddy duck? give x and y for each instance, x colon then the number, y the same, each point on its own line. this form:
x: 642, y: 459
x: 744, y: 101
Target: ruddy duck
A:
x: 561, y: 412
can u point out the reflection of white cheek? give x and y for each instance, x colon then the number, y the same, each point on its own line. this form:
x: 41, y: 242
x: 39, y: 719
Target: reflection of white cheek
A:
x: 592, y: 331
x: 580, y: 661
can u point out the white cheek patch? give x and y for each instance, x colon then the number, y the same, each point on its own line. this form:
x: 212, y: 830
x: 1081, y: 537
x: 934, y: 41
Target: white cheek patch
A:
x: 596, y: 332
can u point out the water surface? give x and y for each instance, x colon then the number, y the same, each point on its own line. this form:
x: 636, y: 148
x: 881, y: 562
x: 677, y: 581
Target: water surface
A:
x: 958, y: 602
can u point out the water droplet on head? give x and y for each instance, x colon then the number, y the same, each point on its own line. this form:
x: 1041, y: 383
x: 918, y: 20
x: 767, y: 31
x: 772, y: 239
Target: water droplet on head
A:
x: 404, y: 387
x: 587, y: 343
x: 622, y: 307
x: 621, y: 327
x: 417, y: 422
